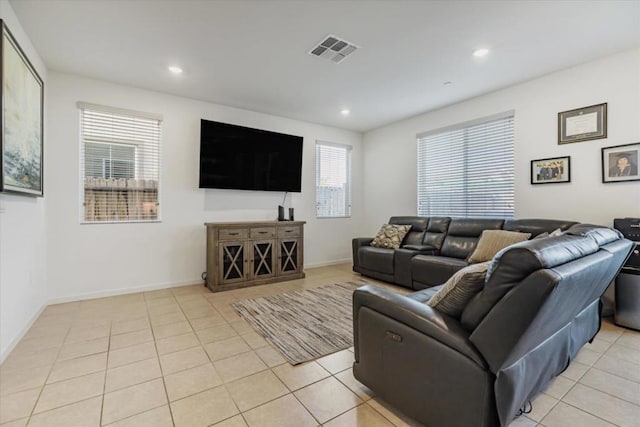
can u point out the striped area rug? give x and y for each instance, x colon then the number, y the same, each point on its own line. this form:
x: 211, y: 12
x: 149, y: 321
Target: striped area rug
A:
x: 306, y: 324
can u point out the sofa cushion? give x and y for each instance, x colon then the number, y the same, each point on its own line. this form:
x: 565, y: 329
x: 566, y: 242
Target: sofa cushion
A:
x: 431, y: 270
x: 416, y: 233
x: 390, y: 236
x: 536, y: 226
x: 463, y: 234
x: 425, y: 294
x: 492, y: 241
x: 376, y: 259
x: 456, y: 293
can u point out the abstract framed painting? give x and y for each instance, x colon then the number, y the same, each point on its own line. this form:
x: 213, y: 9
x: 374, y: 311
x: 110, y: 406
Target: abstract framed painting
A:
x: 21, y: 136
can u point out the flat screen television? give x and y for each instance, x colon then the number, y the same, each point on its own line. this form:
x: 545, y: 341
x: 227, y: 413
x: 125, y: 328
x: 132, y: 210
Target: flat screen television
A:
x: 242, y: 158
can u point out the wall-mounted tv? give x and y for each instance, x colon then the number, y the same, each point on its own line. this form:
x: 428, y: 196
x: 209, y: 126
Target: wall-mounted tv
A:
x: 242, y: 158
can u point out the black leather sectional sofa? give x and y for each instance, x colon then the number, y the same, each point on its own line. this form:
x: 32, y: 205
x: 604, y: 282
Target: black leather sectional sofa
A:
x: 435, y: 248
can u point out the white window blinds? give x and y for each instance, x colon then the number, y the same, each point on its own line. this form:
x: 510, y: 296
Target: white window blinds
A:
x: 333, y: 180
x: 119, y: 164
x: 468, y: 170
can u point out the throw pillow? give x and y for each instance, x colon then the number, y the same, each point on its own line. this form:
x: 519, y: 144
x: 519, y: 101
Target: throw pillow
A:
x: 459, y: 289
x: 554, y: 233
x: 390, y: 236
x: 492, y: 241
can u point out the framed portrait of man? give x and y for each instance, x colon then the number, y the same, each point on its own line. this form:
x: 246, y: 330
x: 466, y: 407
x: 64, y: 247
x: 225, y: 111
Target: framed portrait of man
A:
x: 620, y: 163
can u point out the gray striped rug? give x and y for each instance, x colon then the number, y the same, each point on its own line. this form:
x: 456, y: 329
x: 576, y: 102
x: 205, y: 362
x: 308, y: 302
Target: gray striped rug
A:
x: 306, y: 324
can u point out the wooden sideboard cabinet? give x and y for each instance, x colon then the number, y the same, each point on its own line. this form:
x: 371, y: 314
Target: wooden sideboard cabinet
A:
x: 241, y: 254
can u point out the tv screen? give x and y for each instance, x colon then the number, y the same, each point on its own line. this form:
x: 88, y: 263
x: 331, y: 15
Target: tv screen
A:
x: 242, y: 158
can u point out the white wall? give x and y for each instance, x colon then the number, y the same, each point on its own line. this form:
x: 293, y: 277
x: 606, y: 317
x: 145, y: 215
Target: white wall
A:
x: 92, y: 260
x: 390, y: 152
x: 22, y: 234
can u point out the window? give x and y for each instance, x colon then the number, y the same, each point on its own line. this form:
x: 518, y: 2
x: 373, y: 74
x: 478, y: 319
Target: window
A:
x: 467, y: 170
x: 333, y: 180
x: 120, y: 164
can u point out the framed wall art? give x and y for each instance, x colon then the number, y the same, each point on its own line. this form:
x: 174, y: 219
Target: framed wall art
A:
x: 551, y: 171
x: 582, y: 124
x: 21, y: 137
x: 620, y: 163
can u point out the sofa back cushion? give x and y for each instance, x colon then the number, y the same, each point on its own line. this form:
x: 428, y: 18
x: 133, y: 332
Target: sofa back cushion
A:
x: 436, y: 231
x: 493, y: 241
x: 516, y: 262
x: 463, y: 234
x: 536, y: 226
x: 418, y: 227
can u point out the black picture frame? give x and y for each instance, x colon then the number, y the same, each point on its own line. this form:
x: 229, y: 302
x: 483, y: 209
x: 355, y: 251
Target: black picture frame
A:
x: 621, y: 163
x: 22, y: 128
x: 554, y: 170
x: 582, y: 124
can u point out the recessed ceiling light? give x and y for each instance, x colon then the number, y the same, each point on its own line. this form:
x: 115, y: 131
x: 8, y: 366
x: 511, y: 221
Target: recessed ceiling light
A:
x: 175, y: 70
x: 480, y: 52
x: 345, y: 111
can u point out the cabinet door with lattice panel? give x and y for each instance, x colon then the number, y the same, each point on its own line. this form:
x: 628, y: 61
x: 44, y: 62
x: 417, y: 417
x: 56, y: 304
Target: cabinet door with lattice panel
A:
x: 262, y: 260
x: 289, y: 256
x: 232, y: 262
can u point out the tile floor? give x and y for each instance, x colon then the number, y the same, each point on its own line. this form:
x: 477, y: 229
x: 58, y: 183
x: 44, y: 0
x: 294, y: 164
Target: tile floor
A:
x: 183, y: 357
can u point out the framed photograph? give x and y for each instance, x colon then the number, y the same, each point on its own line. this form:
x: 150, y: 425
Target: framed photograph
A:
x: 21, y: 136
x: 551, y: 171
x: 582, y: 124
x: 620, y: 163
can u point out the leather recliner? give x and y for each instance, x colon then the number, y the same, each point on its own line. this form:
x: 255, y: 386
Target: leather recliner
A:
x: 539, y: 306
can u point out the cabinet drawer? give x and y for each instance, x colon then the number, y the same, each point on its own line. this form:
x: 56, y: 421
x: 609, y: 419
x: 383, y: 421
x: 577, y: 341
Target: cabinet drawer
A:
x: 289, y: 231
x: 233, y: 233
x: 262, y: 232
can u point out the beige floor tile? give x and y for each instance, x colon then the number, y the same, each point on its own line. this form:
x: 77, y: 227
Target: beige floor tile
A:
x: 523, y: 421
x: 598, y: 345
x: 241, y: 326
x: 239, y: 366
x: 203, y: 409
x: 199, y: 312
x: 84, y: 413
x: 18, y: 362
x: 609, y: 331
x: 346, y: 377
x: 337, y: 362
x: 181, y: 360
x: 30, y: 345
x: 127, y: 326
x: 559, y: 387
x: 563, y: 415
x: 624, y: 353
x: 295, y: 377
x: 163, y: 309
x: 160, y: 293
x: 133, y: 400
x: 18, y: 405
x: 85, y: 348
x: 229, y: 314
x: 270, y: 356
x: 166, y: 300
x: 575, y: 370
x: 207, y: 322
x: 171, y: 330
x: 327, y: 399
x: 58, y: 332
x: 191, y: 381
x: 613, y: 385
x: 72, y: 368
x: 236, y: 421
x: 134, y: 353
x: 360, y: 416
x: 217, y: 333
x: 158, y: 417
x: 602, y: 405
x: 70, y: 391
x: 392, y: 414
x: 130, y: 338
x: 132, y: 374
x: 256, y: 389
x: 254, y: 340
x: 587, y: 357
x: 167, y: 319
x: 177, y: 343
x: 541, y: 406
x: 26, y: 379
x: 219, y: 350
x: 78, y: 334
x: 283, y: 412
x: 17, y: 423
x: 621, y: 368
x: 630, y: 339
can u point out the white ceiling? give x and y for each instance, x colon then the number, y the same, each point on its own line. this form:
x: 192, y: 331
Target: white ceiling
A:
x: 253, y: 54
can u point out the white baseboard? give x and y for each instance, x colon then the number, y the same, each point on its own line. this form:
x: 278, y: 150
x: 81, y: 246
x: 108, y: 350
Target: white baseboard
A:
x: 124, y: 291
x: 7, y: 351
x: 328, y: 263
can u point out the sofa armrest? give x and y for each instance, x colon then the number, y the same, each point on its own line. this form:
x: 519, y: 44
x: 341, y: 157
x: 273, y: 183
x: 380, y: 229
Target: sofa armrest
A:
x: 416, y: 315
x: 356, y: 244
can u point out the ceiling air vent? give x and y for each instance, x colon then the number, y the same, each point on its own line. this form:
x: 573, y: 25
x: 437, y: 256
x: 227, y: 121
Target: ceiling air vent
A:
x: 333, y: 48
